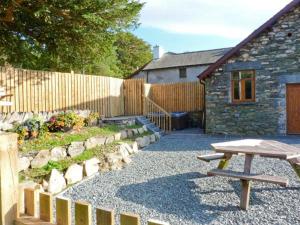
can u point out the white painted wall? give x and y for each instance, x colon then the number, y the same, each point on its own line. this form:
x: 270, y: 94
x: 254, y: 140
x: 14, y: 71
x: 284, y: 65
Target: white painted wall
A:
x: 170, y: 75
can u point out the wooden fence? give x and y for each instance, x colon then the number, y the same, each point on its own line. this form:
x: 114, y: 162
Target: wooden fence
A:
x: 134, y: 96
x: 38, y: 91
x: 174, y: 97
x: 83, y: 212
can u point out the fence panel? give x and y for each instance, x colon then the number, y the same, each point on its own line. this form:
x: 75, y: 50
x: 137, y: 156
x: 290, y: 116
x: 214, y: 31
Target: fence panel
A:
x: 38, y: 91
x: 134, y: 96
x: 186, y: 97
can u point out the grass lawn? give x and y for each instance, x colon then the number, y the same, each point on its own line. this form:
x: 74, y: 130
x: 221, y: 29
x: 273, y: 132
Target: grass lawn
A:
x: 52, y: 140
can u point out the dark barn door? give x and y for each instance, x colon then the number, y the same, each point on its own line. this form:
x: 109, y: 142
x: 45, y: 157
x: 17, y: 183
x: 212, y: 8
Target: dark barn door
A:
x: 293, y: 108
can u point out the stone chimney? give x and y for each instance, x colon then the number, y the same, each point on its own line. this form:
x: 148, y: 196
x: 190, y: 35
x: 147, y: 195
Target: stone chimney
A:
x: 157, y: 52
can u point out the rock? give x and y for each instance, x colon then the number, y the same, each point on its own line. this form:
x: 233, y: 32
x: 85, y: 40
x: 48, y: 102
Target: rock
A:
x: 123, y: 150
x: 117, y: 136
x: 91, y: 166
x: 130, y: 133
x: 56, y: 182
x: 143, y: 141
x: 58, y: 153
x: 127, y: 160
x: 157, y: 135
x: 104, y: 167
x: 23, y: 163
x: 152, y: 138
x: 93, y: 142
x: 141, y: 130
x: 135, y: 147
x: 117, y: 166
x: 76, y: 148
x: 74, y: 174
x: 45, y: 185
x: 109, y: 140
x: 135, y: 131
x: 145, y: 128
x: 41, y: 159
x: 113, y: 158
x: 123, y: 134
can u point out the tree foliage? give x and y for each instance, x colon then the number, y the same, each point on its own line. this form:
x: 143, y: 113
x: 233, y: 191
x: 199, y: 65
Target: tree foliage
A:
x: 132, y: 52
x: 59, y: 35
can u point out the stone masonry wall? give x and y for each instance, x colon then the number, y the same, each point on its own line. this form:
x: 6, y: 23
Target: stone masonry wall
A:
x: 275, y: 56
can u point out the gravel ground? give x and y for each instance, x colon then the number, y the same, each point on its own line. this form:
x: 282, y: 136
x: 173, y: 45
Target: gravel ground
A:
x: 165, y: 181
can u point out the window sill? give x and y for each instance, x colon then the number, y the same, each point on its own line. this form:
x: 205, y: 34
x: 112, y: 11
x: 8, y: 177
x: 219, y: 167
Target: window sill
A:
x: 241, y: 103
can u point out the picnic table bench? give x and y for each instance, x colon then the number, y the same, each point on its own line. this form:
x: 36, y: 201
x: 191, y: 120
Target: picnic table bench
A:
x: 250, y: 148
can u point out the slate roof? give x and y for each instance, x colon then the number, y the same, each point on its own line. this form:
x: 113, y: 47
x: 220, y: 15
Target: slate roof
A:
x: 170, y: 59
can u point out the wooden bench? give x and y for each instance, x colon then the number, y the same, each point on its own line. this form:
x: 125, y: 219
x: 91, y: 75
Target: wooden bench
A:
x: 211, y: 157
x: 249, y: 177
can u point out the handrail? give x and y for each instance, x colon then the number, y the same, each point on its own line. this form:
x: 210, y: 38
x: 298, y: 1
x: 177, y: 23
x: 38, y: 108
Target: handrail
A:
x: 159, y: 107
x: 157, y: 115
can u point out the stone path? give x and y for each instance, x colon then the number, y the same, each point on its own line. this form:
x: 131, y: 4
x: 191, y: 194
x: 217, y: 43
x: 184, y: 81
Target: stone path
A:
x: 167, y: 182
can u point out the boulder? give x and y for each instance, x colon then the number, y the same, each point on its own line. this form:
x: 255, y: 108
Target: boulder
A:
x: 145, y: 128
x: 58, y: 153
x: 123, y: 150
x: 56, y: 182
x: 135, y: 147
x: 117, y: 136
x: 23, y: 163
x: 152, y: 138
x: 130, y: 133
x: 109, y: 140
x: 127, y: 160
x: 143, y: 141
x: 141, y: 130
x: 76, y: 148
x: 41, y: 159
x: 91, y: 166
x: 157, y: 135
x: 135, y: 131
x: 45, y: 185
x: 123, y: 134
x: 74, y: 174
x: 104, y: 167
x: 113, y: 158
x: 93, y: 142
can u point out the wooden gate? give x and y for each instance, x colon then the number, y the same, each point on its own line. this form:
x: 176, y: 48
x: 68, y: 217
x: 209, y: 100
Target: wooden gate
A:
x: 134, y: 97
x: 293, y: 108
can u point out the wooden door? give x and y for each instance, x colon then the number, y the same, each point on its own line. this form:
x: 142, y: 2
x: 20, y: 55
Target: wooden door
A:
x: 293, y: 108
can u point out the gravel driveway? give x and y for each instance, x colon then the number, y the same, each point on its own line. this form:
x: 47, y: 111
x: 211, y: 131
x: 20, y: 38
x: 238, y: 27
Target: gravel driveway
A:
x: 165, y: 181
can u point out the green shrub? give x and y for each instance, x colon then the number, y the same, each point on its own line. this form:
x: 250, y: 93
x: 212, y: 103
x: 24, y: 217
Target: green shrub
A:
x: 92, y: 119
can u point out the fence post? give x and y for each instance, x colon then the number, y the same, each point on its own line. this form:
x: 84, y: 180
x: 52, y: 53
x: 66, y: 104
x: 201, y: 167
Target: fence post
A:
x: 8, y: 178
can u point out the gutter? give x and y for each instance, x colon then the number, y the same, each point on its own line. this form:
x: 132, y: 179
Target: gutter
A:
x: 204, y: 110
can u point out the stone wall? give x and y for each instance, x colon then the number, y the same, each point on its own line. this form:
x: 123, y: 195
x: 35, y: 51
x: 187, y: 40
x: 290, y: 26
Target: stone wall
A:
x: 275, y: 56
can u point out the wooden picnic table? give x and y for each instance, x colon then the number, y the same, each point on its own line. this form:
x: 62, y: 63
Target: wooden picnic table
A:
x: 250, y: 148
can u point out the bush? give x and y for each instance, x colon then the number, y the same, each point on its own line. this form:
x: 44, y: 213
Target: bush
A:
x: 92, y: 119
x: 65, y: 122
x: 31, y: 128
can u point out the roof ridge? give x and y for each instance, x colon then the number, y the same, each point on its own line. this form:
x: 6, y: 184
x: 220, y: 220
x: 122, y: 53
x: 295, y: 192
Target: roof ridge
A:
x: 209, y: 50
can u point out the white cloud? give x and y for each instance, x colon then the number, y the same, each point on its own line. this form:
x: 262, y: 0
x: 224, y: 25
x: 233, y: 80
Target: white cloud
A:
x: 233, y: 19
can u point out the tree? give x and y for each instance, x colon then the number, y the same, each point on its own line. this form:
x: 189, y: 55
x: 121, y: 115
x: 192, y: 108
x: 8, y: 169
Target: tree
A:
x: 64, y: 35
x: 132, y: 53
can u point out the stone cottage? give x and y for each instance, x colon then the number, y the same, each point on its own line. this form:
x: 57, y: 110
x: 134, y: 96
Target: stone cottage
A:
x: 254, y: 89
x: 177, y: 67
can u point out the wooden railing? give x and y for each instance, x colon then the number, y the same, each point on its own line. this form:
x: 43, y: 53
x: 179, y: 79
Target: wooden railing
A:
x: 158, y: 115
x: 83, y: 212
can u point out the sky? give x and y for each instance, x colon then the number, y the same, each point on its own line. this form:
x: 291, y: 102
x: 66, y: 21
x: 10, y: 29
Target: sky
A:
x: 193, y: 25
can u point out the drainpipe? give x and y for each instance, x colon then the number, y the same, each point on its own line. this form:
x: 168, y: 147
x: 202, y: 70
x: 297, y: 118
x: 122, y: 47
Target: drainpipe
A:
x: 204, y: 110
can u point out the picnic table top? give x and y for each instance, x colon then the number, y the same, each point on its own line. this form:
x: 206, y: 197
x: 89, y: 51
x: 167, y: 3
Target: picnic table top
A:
x: 265, y: 148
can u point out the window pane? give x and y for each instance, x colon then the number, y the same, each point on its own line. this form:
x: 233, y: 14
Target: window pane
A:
x: 182, y: 73
x: 235, y: 75
x: 247, y: 74
x: 236, y: 91
x: 248, y: 89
